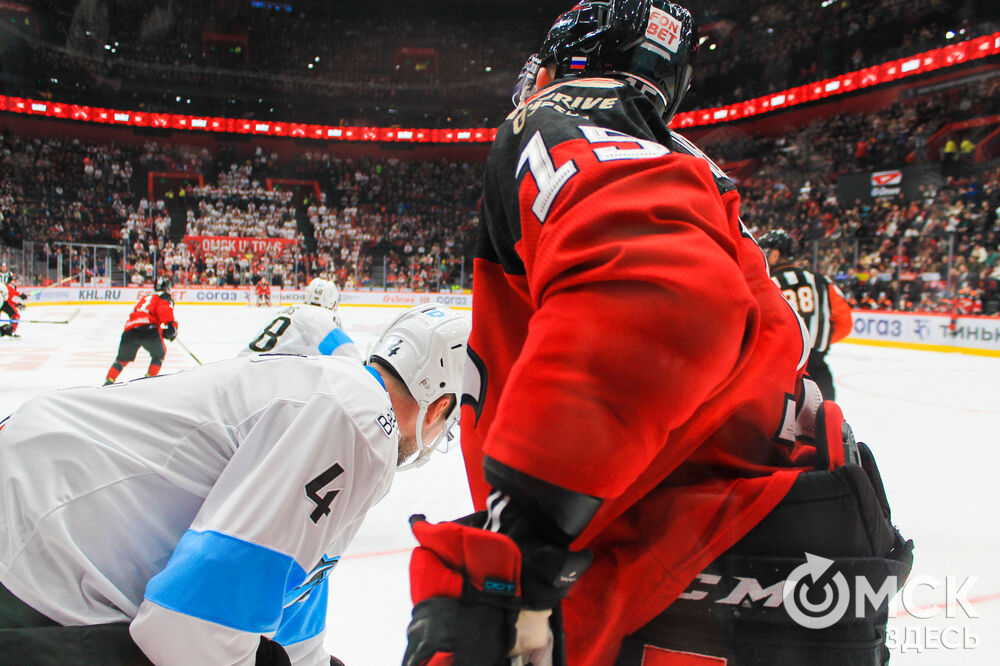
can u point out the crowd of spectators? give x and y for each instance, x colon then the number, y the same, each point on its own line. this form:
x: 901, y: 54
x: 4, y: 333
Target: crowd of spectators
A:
x: 402, y: 223
x: 892, y: 252
x: 895, y: 135
x: 236, y: 205
x: 239, y: 206
x: 432, y: 64
x: 426, y: 65
x: 390, y: 223
x: 756, y: 47
x: 54, y: 190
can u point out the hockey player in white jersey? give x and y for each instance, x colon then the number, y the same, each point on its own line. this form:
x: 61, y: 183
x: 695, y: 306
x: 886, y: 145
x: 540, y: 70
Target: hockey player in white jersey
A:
x: 199, y: 513
x: 313, y: 329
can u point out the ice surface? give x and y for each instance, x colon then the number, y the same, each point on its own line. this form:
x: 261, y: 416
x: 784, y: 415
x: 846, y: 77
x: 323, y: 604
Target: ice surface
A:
x: 933, y: 420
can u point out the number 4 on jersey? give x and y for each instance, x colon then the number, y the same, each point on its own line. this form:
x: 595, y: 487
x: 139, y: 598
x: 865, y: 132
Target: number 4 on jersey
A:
x: 316, y: 485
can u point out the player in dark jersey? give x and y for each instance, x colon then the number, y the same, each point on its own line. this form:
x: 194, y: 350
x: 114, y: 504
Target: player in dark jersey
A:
x: 152, y: 320
x: 819, y: 302
x: 635, y: 395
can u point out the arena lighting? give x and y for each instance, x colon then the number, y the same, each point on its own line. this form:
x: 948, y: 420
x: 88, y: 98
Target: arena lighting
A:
x: 929, y: 61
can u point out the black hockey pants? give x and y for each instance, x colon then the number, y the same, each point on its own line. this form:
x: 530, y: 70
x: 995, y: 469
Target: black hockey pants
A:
x: 819, y: 372
x: 738, y: 612
x: 28, y: 638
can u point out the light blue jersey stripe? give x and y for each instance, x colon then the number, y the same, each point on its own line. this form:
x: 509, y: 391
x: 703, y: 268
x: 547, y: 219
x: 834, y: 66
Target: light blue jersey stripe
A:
x: 221, y: 579
x: 333, y: 339
x: 374, y: 373
x: 306, y: 618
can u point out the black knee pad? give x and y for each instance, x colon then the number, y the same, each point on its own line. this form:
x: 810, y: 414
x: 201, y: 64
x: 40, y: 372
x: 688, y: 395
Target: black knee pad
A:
x: 809, y: 585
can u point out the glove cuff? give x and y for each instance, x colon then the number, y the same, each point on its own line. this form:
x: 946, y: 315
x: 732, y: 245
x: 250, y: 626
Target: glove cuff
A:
x: 548, y: 573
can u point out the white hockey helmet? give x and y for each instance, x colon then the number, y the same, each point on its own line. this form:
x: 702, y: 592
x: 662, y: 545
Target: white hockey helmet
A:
x: 425, y: 347
x: 323, y: 293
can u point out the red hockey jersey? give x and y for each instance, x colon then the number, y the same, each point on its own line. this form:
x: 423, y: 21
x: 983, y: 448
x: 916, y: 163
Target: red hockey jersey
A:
x: 10, y: 294
x: 627, y: 343
x: 155, y: 309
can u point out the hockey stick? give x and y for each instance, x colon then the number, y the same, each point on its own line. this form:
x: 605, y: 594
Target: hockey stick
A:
x: 184, y: 347
x: 32, y: 321
x: 35, y: 292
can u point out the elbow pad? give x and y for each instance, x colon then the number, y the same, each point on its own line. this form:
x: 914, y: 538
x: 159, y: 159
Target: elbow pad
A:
x: 555, y: 514
x: 542, y: 519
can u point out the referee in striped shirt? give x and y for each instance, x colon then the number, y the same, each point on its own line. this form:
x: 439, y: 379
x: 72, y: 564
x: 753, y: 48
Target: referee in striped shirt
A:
x: 818, y: 301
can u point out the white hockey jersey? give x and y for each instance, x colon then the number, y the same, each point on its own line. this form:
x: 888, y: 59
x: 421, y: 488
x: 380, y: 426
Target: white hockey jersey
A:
x: 303, y: 329
x: 209, y: 505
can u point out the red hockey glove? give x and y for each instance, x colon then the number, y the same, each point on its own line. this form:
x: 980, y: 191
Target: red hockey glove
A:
x: 465, y: 584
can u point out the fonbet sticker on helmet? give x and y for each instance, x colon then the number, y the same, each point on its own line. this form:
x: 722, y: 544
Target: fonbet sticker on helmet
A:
x: 664, y: 29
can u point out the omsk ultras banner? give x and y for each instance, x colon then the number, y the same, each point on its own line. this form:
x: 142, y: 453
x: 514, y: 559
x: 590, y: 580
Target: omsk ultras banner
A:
x: 236, y: 246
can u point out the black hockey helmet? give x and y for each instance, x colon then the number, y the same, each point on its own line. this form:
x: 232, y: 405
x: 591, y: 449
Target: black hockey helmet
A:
x: 163, y: 285
x: 649, y: 43
x: 776, y: 239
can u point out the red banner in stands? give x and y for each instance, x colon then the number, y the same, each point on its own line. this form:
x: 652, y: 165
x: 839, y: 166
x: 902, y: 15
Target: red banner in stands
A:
x: 952, y: 54
x: 233, y: 246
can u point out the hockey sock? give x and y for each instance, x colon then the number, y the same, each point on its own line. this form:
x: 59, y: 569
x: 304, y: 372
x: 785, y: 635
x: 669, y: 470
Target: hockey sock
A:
x: 116, y: 369
x: 154, y: 369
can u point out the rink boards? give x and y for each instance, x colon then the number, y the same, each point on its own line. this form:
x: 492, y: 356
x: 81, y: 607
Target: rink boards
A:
x: 906, y: 330
x: 238, y: 296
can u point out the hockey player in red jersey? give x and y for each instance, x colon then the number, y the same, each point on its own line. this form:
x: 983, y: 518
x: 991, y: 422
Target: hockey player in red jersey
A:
x: 11, y: 301
x: 151, y: 321
x: 263, y: 293
x: 639, y: 437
